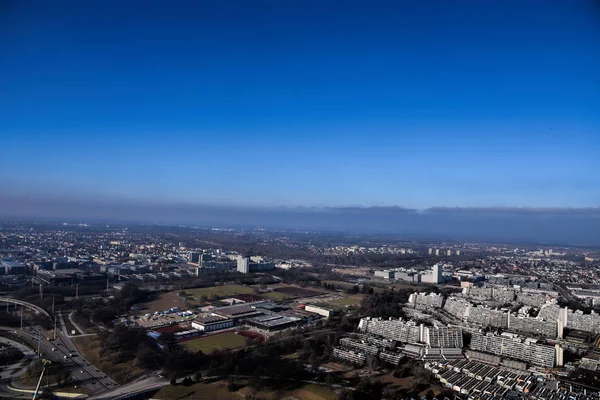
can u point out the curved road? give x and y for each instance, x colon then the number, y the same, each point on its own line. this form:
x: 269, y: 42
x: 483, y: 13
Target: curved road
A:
x: 37, y: 309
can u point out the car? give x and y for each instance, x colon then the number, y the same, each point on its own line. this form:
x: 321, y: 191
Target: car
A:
x: 54, y: 349
x: 81, y: 371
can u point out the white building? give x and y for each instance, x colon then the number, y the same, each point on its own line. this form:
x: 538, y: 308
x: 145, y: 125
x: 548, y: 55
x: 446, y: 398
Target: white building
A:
x: 214, y: 323
x: 437, y: 273
x: 243, y: 265
x: 318, y: 310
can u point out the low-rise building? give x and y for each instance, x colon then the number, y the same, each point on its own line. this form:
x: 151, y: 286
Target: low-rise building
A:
x: 313, y: 308
x: 212, y: 323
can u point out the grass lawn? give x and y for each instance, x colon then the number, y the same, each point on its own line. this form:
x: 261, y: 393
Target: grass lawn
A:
x: 221, y: 291
x: 219, y: 342
x: 198, y: 391
x: 351, y: 300
x: 277, y: 296
x: 314, y: 392
x: 303, y: 392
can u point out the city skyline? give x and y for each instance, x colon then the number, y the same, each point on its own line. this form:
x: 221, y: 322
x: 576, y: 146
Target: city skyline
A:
x: 313, y: 105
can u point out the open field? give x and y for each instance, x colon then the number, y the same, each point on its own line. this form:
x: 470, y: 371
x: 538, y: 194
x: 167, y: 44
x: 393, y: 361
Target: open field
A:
x: 294, y: 391
x: 164, y: 301
x: 295, y: 291
x: 198, y: 391
x: 210, y: 343
x: 123, y: 372
x: 406, y: 383
x: 340, y: 304
x: 221, y: 291
x: 276, y: 296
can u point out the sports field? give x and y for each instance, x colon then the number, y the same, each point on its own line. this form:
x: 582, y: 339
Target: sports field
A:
x: 221, y: 341
x: 350, y: 300
x: 221, y: 291
x: 277, y: 296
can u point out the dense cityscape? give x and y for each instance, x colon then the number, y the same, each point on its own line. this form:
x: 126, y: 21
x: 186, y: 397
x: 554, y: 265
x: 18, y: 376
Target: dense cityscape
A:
x: 149, y: 311
x: 300, y: 200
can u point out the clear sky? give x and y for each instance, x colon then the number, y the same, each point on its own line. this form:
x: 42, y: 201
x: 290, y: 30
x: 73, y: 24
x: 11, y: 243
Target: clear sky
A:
x: 409, y: 103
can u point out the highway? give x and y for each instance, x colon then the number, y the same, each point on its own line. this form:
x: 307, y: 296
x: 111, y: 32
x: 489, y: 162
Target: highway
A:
x: 82, y: 371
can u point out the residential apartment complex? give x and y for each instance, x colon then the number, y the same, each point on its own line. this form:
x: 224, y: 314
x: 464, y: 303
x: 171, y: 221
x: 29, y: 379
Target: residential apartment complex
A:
x: 513, y: 346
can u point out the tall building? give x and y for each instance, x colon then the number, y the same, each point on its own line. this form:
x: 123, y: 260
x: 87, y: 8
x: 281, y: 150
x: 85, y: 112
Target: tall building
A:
x: 430, y: 251
x: 449, y: 252
x: 437, y: 273
x: 458, y: 252
x: 243, y: 264
x: 193, y: 257
x: 437, y: 252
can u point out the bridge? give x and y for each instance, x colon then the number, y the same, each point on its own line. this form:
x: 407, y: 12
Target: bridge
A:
x: 37, y: 309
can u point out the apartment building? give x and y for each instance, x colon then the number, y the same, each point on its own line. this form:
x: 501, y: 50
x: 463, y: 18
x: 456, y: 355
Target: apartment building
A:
x: 535, y: 326
x: 457, y: 307
x: 361, y: 346
x: 396, y: 329
x: 512, y: 346
x: 425, y: 301
x: 390, y: 357
x: 354, y: 357
x: 485, y: 316
x: 450, y: 337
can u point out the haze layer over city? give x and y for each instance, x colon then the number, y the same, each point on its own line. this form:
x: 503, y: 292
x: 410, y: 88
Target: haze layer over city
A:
x: 300, y: 200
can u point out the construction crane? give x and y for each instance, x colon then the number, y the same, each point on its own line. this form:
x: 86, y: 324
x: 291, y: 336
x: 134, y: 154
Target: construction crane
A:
x: 45, y: 363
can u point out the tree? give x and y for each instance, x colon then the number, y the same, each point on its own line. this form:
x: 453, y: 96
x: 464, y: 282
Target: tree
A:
x: 314, y: 361
x: 231, y: 386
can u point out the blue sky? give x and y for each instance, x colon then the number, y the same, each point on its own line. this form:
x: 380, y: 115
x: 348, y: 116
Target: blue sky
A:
x: 310, y: 103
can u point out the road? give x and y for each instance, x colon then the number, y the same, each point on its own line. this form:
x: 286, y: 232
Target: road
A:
x: 83, y: 373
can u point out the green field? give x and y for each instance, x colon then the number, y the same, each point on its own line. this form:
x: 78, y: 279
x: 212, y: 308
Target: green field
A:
x: 342, y: 303
x: 221, y: 291
x: 277, y: 296
x: 215, y: 342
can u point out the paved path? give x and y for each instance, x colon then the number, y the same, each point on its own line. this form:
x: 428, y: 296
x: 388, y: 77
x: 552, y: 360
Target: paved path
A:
x: 81, y: 331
